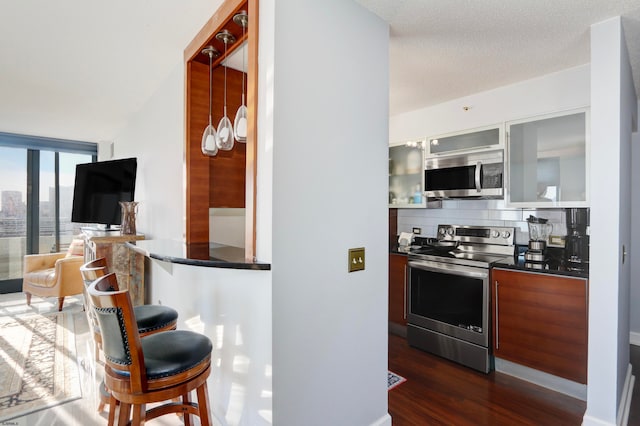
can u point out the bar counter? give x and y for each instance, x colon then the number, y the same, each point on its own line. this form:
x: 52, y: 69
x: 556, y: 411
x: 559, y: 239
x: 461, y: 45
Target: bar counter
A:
x: 212, y: 255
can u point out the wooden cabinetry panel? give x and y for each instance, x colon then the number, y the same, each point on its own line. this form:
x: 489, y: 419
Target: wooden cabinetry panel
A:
x: 233, y: 173
x: 540, y: 321
x: 398, y: 288
x: 393, y: 226
x: 197, y: 164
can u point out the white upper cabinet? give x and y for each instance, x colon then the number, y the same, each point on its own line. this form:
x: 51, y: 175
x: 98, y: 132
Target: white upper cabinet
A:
x: 471, y: 140
x: 547, y: 160
x: 406, y: 175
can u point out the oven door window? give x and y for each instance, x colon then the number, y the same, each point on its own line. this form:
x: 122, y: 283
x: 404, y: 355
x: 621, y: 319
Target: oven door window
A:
x: 452, y: 299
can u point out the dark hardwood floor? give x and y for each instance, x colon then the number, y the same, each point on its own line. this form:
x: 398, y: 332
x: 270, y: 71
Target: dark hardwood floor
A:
x: 440, y: 392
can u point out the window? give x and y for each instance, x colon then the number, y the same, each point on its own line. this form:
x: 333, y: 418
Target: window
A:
x: 36, y: 194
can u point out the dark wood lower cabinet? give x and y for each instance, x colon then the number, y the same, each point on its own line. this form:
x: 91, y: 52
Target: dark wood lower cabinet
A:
x: 398, y: 289
x: 541, y: 321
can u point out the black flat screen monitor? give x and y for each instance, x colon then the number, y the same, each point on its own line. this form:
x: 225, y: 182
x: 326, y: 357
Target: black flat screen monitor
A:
x: 99, y: 188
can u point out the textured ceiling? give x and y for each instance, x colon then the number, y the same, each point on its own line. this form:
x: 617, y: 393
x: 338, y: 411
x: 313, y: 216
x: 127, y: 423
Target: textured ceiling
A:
x: 80, y: 69
x: 445, y: 49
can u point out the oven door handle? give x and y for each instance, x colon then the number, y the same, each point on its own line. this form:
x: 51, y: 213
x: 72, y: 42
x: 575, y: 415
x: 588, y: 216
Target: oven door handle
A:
x: 448, y: 268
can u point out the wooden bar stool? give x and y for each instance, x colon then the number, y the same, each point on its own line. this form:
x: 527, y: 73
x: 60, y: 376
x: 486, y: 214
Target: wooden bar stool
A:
x: 156, y: 368
x: 149, y: 319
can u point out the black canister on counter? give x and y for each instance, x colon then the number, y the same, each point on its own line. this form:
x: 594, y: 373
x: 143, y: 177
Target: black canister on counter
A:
x: 577, y: 239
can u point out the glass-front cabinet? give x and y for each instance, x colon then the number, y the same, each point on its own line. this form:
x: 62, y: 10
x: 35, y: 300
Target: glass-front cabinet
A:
x: 406, y: 175
x: 547, y: 160
x: 468, y: 141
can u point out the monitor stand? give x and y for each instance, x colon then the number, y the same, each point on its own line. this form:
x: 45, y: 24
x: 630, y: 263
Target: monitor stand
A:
x: 100, y: 229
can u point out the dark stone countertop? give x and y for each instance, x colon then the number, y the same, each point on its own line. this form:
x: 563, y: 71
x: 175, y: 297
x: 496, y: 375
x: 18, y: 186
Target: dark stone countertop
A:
x: 552, y: 268
x: 555, y: 265
x: 212, y: 255
x: 395, y: 248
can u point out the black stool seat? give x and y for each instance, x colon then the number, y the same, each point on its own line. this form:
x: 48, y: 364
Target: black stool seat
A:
x: 172, y: 352
x: 154, y: 317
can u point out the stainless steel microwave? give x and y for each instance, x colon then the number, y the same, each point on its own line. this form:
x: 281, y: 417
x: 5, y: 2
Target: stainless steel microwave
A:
x: 469, y: 175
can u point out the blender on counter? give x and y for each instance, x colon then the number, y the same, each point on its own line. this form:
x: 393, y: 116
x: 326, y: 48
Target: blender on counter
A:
x: 539, y: 231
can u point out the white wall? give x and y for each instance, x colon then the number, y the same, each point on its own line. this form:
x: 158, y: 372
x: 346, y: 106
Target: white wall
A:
x: 233, y: 309
x: 611, y: 112
x: 558, y: 91
x: 264, y: 177
x: 226, y: 226
x: 156, y: 137
x: 330, y: 161
x: 628, y: 112
x: 635, y: 242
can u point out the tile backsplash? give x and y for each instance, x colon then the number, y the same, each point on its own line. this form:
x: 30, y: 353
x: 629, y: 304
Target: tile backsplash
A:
x: 478, y: 212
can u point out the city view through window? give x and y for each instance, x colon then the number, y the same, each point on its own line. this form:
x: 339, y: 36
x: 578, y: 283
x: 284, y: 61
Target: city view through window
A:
x: 14, y: 226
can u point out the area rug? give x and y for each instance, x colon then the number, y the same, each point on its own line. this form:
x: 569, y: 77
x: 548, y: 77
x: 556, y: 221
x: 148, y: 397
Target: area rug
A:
x: 38, y: 367
x: 394, y: 380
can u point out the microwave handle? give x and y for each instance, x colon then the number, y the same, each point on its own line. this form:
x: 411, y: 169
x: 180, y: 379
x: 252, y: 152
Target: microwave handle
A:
x: 478, y: 171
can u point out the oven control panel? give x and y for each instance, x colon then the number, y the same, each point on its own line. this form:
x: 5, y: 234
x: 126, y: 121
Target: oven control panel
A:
x: 499, y: 235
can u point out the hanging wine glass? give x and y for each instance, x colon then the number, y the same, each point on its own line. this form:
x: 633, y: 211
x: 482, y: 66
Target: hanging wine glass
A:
x: 240, y: 123
x: 209, y: 136
x: 225, y: 130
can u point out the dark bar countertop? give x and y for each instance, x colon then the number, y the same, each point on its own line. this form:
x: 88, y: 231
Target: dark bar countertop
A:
x: 212, y: 255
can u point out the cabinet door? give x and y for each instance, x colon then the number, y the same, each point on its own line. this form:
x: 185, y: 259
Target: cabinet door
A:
x: 540, y: 321
x: 406, y: 175
x: 470, y: 140
x: 398, y: 289
x: 547, y: 162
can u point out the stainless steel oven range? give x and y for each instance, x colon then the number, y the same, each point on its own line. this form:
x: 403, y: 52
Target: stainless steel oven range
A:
x: 449, y: 293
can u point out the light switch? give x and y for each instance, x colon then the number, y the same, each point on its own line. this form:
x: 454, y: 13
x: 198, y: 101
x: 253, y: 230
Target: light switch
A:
x: 356, y: 259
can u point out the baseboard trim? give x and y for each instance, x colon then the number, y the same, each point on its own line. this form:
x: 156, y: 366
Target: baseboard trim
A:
x: 634, y: 338
x: 549, y: 381
x: 625, y: 400
x: 592, y: 421
x: 623, y: 409
x: 398, y: 329
x: 382, y: 421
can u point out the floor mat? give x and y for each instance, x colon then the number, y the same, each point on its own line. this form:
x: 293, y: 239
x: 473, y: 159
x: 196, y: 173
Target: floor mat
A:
x: 394, y: 380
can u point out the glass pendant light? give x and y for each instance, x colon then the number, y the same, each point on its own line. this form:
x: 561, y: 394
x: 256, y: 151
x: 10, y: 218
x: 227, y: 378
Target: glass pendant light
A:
x: 225, y: 129
x: 209, y: 136
x: 240, y: 123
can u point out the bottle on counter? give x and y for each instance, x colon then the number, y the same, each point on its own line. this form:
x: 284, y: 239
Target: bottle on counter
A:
x: 417, y: 196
